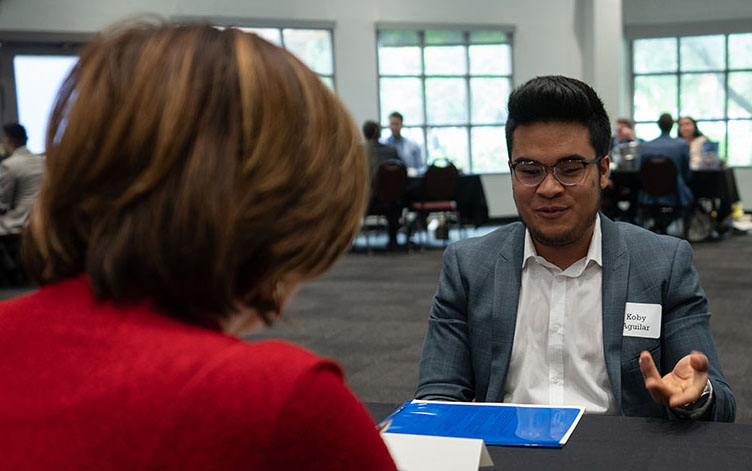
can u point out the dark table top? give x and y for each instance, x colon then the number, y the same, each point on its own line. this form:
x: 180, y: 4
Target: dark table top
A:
x: 629, y: 443
x: 469, y: 195
x: 704, y: 183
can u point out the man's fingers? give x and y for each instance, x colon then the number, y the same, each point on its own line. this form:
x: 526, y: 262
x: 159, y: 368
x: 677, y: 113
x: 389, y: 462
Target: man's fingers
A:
x: 699, y: 361
x: 647, y: 367
x: 653, y: 382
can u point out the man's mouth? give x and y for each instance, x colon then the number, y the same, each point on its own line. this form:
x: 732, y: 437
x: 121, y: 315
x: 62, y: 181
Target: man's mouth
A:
x: 551, y: 212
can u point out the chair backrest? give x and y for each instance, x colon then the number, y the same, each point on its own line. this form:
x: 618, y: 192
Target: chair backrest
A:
x: 441, y: 182
x: 391, y: 181
x: 659, y: 176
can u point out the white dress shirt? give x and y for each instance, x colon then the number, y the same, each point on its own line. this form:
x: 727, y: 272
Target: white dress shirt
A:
x: 557, y: 355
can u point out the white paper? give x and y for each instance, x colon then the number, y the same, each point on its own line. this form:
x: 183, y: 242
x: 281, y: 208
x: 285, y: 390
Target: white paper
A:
x: 642, y: 320
x: 429, y: 453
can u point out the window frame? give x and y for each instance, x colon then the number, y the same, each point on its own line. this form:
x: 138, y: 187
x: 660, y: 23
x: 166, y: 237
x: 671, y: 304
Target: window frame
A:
x: 29, y: 43
x: 466, y: 31
x: 280, y: 24
x: 677, y: 32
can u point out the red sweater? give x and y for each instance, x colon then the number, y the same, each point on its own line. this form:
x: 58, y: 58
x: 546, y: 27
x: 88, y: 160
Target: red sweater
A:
x: 91, y: 385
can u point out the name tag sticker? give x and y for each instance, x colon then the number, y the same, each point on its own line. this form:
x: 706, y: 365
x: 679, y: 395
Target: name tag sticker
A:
x: 642, y: 320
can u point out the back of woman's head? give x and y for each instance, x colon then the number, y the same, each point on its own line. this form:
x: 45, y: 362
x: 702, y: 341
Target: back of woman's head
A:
x: 193, y: 166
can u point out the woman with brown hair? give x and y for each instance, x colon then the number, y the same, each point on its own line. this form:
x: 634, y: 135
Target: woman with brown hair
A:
x: 689, y: 132
x: 194, y: 178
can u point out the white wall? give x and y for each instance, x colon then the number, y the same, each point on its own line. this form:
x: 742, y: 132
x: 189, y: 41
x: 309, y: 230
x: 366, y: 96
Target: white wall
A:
x: 643, y: 12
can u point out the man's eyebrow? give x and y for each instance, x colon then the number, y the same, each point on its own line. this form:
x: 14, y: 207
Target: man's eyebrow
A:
x: 560, y: 159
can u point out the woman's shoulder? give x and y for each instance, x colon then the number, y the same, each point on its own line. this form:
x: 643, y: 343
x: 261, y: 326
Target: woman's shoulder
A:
x: 277, y: 358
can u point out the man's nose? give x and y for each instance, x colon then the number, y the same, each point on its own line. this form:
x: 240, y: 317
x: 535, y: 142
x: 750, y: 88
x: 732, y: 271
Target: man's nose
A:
x: 550, y: 185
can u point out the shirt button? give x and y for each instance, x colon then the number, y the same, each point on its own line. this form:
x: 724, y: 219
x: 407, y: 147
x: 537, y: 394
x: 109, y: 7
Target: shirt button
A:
x: 556, y: 380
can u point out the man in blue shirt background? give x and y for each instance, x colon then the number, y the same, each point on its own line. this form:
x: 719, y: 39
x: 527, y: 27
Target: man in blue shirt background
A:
x: 677, y: 150
x: 408, y: 150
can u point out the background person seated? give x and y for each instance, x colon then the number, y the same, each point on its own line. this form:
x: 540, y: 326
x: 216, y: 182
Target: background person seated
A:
x: 624, y: 132
x: 379, y: 154
x: 20, y: 180
x: 195, y: 178
x: 699, y: 146
x: 678, y: 151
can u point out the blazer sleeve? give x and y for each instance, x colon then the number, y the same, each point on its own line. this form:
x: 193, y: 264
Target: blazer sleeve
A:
x: 686, y: 327
x: 446, y: 371
x: 7, y: 188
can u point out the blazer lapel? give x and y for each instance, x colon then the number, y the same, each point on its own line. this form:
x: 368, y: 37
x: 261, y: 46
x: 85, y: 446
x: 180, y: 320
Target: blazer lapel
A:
x: 507, y: 279
x: 615, y: 284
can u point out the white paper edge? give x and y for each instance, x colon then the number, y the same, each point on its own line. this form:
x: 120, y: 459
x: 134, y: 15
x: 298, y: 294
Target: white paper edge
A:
x: 576, y: 421
x: 484, y: 458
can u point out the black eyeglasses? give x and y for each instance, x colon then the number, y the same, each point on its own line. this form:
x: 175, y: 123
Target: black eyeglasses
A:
x: 567, y: 172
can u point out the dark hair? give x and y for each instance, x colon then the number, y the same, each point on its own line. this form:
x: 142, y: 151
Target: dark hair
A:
x: 697, y: 132
x: 665, y: 122
x: 628, y: 122
x: 197, y: 168
x: 371, y: 130
x: 397, y: 114
x: 558, y: 98
x: 16, y: 133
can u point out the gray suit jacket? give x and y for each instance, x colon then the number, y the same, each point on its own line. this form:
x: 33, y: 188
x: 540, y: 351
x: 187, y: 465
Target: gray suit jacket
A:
x: 470, y: 333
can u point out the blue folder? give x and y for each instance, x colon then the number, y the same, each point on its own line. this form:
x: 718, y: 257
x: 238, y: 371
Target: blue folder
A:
x: 494, y: 423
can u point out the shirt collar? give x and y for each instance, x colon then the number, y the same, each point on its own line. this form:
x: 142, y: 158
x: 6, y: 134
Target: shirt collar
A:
x: 594, y: 253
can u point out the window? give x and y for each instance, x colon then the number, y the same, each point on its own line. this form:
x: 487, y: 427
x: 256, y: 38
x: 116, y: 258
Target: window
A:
x: 312, y: 46
x: 451, y: 87
x: 38, y: 79
x: 708, y: 78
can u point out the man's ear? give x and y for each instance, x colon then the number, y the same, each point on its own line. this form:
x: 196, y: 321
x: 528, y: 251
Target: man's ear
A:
x: 604, y: 169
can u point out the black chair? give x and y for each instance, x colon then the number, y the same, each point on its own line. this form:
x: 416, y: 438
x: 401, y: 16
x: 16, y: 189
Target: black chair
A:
x: 440, y: 186
x: 387, y: 189
x: 12, y: 272
x: 660, y: 181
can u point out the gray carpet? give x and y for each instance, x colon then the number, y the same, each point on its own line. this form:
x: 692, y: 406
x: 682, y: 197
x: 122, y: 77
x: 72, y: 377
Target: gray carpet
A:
x: 369, y: 313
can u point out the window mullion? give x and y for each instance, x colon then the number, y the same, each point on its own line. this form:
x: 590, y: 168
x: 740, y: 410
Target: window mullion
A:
x: 469, y: 121
x: 725, y: 105
x: 422, y: 45
x: 678, y: 78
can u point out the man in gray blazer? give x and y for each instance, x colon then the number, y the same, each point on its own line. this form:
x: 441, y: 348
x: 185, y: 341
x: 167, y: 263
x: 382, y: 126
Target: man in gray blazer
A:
x: 20, y: 180
x: 568, y: 307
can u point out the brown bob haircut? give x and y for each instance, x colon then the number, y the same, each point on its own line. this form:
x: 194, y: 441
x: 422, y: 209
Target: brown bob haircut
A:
x: 194, y: 167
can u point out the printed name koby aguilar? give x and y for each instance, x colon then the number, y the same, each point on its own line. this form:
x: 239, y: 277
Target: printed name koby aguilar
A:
x: 630, y: 327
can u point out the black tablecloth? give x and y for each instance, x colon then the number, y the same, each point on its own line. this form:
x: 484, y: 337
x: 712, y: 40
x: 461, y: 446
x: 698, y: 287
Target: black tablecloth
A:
x: 629, y: 444
x: 469, y: 195
x: 716, y: 186
x: 718, y: 183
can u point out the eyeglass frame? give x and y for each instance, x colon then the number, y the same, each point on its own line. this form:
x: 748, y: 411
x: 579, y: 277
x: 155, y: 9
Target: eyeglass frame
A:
x: 585, y: 163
